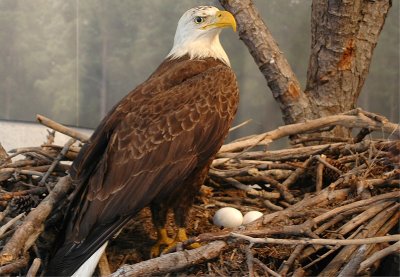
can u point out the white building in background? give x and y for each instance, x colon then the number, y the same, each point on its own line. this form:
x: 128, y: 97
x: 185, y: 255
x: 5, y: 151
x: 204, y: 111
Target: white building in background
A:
x: 17, y: 134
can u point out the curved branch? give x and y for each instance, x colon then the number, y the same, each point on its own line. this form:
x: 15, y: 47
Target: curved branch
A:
x: 272, y: 63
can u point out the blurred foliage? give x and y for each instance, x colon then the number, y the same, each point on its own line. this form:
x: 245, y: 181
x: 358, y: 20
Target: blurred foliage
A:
x: 73, y: 60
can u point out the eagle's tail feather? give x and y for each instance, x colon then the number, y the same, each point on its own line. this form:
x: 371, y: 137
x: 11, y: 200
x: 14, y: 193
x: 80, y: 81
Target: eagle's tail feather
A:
x: 87, y: 269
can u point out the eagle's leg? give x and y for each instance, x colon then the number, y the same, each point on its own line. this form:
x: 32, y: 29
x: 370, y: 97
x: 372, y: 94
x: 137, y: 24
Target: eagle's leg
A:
x: 181, y: 214
x: 159, y: 218
x: 181, y: 211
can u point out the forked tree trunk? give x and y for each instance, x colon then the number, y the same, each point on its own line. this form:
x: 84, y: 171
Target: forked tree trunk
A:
x: 344, y: 34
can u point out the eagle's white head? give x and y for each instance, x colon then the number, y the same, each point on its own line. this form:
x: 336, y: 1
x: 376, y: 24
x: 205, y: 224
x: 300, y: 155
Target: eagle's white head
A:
x: 197, y: 34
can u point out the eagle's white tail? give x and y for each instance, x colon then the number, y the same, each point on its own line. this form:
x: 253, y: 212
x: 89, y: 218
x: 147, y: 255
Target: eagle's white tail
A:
x: 87, y: 269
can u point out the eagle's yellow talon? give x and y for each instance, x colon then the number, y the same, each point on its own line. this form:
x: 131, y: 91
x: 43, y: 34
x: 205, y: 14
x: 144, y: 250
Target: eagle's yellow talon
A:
x: 162, y: 240
x: 180, y: 237
x: 194, y: 245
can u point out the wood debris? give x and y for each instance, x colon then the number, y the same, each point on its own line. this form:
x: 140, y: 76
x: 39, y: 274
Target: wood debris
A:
x: 330, y: 208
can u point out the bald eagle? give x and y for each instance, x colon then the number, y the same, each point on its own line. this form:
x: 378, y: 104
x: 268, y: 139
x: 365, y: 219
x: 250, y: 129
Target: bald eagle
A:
x: 154, y: 147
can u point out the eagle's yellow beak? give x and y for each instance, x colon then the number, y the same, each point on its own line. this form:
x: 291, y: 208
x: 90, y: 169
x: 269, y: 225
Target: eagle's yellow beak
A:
x: 222, y: 19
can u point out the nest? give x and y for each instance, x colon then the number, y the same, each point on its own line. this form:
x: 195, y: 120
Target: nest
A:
x: 330, y: 208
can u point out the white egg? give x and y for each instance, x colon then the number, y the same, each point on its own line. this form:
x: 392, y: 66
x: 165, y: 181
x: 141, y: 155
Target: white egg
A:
x: 228, y: 217
x: 251, y: 216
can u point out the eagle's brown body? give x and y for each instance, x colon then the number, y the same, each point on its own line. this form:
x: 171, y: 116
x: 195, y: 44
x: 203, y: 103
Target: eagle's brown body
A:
x: 153, y: 148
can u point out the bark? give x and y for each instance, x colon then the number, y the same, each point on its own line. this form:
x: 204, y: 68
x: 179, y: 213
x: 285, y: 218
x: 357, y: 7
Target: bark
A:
x: 344, y: 35
x: 272, y: 63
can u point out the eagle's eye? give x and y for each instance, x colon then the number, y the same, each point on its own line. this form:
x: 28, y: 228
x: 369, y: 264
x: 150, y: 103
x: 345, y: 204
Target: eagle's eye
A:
x: 199, y: 19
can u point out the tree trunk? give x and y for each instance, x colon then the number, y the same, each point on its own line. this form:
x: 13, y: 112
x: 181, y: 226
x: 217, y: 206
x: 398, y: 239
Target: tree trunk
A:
x: 344, y: 35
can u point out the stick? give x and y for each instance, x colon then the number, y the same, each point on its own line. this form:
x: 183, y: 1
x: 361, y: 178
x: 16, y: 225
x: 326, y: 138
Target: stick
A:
x: 371, y: 229
x: 328, y: 165
x: 364, y: 216
x: 326, y: 254
x: 296, y: 174
x: 378, y: 256
x: 351, y: 268
x: 286, y: 265
x: 13, y: 267
x: 249, y: 260
x: 32, y: 225
x: 55, y: 162
x: 240, y: 125
x: 34, y: 267
x: 306, y: 241
x: 103, y: 265
x: 61, y: 128
x: 349, y: 121
x: 172, y: 262
x: 334, y: 212
x: 266, y: 268
x: 6, y: 226
x: 283, y: 190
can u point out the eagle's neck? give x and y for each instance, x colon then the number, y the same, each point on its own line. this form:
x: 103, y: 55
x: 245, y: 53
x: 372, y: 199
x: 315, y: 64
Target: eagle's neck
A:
x: 202, y: 47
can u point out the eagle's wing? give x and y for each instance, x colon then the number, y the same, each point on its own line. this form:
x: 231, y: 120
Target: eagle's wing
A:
x: 155, y: 145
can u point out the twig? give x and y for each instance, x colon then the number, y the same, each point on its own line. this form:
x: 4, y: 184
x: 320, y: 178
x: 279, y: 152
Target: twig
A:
x: 249, y: 260
x: 103, y: 265
x: 371, y: 229
x: 6, y: 226
x: 350, y: 269
x: 394, y: 248
x: 34, y: 267
x: 283, y: 190
x: 240, y: 125
x: 332, y: 250
x: 34, y: 191
x: 286, y: 265
x: 336, y: 211
x: 172, y: 262
x: 31, y: 227
x: 61, y: 128
x: 299, y: 272
x: 266, y: 268
x: 55, y: 162
x: 319, y: 199
x: 350, y: 121
x: 272, y: 206
x: 296, y: 174
x: 361, y: 218
x: 16, y: 265
x: 328, y: 165
x: 306, y: 241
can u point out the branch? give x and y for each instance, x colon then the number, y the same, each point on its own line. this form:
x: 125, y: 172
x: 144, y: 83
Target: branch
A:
x: 32, y: 225
x: 317, y: 241
x: 172, y: 262
x: 61, y: 128
x: 358, y: 120
x: 273, y: 65
x: 394, y: 248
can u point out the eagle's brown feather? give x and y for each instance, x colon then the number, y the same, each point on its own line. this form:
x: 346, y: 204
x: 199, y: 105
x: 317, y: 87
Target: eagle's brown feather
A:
x: 154, y: 147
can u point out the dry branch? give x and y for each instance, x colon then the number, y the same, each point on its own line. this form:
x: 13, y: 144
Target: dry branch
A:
x: 61, y: 128
x: 173, y: 261
x: 394, y: 248
x: 33, y: 223
x: 358, y: 120
x: 317, y: 241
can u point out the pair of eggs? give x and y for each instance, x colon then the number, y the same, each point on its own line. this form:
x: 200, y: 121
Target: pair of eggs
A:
x: 229, y: 217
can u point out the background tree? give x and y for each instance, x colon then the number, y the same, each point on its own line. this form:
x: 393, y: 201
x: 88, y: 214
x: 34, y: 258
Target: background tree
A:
x: 344, y: 35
